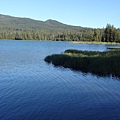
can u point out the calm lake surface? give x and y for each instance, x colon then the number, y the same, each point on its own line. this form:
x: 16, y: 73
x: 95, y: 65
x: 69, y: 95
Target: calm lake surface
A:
x: 31, y: 89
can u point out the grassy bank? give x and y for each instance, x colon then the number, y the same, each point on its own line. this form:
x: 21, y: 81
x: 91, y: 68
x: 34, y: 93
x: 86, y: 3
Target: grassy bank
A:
x: 99, y: 63
x: 93, y: 42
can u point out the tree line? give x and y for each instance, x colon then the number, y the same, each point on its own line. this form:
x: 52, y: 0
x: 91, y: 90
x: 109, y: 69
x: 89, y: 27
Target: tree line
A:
x: 108, y: 34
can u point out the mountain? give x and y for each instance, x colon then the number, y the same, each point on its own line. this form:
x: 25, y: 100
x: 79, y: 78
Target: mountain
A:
x: 29, y: 29
x: 31, y: 24
x: 17, y: 28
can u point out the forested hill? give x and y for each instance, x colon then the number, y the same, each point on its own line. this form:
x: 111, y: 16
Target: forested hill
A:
x: 30, y: 24
x: 28, y: 29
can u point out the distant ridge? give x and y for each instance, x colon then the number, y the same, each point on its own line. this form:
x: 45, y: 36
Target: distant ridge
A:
x: 31, y: 24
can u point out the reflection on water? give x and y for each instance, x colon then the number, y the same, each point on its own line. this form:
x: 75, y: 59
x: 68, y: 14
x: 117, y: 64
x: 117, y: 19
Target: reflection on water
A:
x: 31, y: 89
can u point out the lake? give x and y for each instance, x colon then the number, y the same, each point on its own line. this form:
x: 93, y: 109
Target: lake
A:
x: 31, y: 89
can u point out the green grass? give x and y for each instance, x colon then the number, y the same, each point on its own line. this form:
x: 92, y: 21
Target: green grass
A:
x: 99, y: 63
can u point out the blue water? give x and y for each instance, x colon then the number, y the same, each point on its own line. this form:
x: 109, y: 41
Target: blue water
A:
x: 31, y: 89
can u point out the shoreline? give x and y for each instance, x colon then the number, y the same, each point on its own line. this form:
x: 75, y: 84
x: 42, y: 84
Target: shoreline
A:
x: 75, y: 42
x: 102, y: 43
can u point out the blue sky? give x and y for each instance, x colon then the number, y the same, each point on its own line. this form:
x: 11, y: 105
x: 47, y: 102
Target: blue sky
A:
x: 86, y: 13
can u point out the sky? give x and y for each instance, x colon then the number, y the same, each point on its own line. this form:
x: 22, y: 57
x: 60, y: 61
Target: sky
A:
x: 85, y: 13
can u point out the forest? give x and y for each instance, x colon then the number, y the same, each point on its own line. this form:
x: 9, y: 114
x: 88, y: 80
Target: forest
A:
x: 27, y: 29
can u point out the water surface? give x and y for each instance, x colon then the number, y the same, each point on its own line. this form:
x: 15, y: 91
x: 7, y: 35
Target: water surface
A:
x: 31, y: 89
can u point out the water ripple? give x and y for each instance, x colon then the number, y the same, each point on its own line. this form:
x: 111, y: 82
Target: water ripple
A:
x: 32, y: 89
